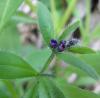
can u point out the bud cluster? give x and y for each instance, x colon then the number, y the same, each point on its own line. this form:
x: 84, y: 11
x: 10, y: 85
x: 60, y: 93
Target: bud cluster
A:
x: 62, y: 45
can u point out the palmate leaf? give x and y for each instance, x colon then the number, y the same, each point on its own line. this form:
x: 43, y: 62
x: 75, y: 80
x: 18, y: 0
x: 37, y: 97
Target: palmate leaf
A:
x: 7, y: 9
x: 12, y: 67
x: 45, y: 22
x: 81, y: 50
x: 44, y: 88
x: 77, y: 62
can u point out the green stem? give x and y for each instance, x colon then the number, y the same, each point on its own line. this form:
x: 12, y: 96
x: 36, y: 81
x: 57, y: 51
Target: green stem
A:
x: 48, y: 62
x: 54, y: 15
x: 66, y: 16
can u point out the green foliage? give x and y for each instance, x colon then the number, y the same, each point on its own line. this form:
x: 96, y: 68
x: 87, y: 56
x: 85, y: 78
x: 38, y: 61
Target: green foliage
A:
x: 21, y: 17
x: 45, y: 22
x: 68, y: 30
x: 74, y: 92
x: 45, y: 88
x: 81, y: 50
x: 7, y: 6
x: 18, y: 62
x: 9, y: 37
x: 77, y: 62
x: 12, y: 67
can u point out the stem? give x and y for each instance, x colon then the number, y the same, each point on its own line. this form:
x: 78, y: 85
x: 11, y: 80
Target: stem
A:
x: 66, y: 16
x: 54, y: 15
x: 48, y: 62
x: 48, y: 75
x: 87, y: 22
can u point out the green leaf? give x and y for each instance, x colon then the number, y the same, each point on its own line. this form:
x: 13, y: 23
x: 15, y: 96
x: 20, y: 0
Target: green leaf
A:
x: 9, y: 37
x: 74, y: 92
x: 45, y: 22
x: 10, y: 87
x: 4, y: 93
x: 52, y: 90
x: 44, y: 88
x: 32, y: 92
x: 92, y: 59
x: 77, y: 62
x: 7, y: 9
x: 12, y: 67
x: 81, y: 50
x: 68, y: 30
x: 21, y: 17
x: 37, y: 58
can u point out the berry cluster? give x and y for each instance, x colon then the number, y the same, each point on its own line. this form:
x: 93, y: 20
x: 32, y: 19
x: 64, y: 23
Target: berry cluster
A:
x: 62, y: 45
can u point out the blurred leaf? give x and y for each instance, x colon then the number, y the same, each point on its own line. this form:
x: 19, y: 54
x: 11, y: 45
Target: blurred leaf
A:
x: 52, y: 90
x: 74, y: 92
x: 12, y: 67
x: 21, y: 17
x: 32, y: 92
x: 4, y: 93
x: 9, y: 38
x: 68, y: 30
x: 38, y: 58
x: 10, y: 87
x: 86, y: 81
x: 7, y: 9
x: 66, y: 16
x: 77, y: 62
x: 92, y: 59
x: 95, y: 33
x: 81, y: 50
x: 45, y: 88
x: 45, y: 22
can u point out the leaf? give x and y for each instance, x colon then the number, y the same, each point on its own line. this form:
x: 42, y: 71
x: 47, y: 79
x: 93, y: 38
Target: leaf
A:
x: 77, y: 62
x: 7, y: 9
x: 68, y: 30
x: 4, y: 93
x: 11, y: 88
x: 45, y: 22
x: 12, y: 67
x: 92, y: 59
x: 52, y: 90
x: 32, y: 92
x: 9, y: 37
x: 37, y: 58
x: 44, y: 88
x: 21, y: 17
x: 74, y: 92
x: 81, y: 50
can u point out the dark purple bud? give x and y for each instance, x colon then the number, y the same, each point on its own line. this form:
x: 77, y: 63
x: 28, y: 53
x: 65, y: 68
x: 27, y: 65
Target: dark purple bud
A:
x: 53, y: 43
x: 62, y: 46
